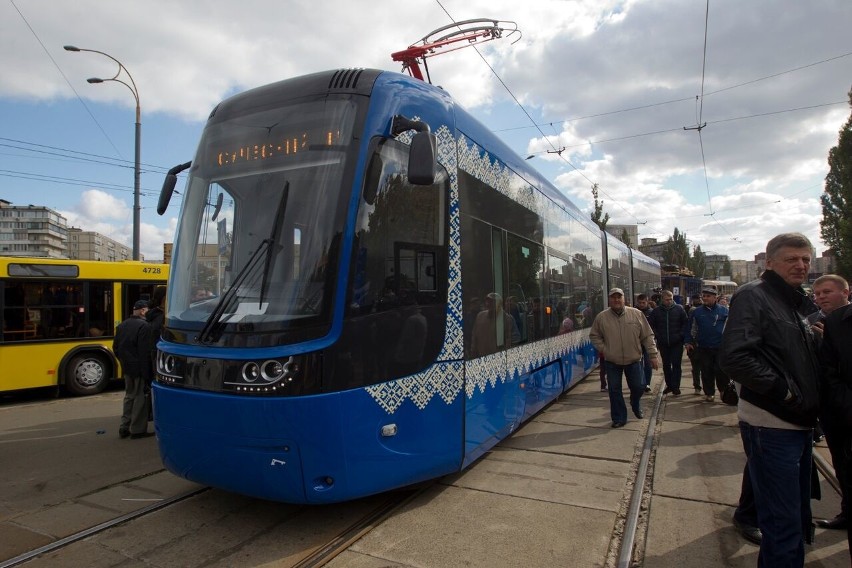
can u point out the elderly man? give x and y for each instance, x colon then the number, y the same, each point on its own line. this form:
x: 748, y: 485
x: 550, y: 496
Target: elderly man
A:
x: 619, y: 333
x: 831, y: 292
x: 769, y: 351
x: 131, y: 346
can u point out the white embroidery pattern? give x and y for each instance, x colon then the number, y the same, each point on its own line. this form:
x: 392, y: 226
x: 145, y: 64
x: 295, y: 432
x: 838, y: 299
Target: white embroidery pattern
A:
x: 446, y: 378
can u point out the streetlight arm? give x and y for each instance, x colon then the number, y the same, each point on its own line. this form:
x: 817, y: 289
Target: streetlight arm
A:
x: 121, y: 68
x: 136, y: 170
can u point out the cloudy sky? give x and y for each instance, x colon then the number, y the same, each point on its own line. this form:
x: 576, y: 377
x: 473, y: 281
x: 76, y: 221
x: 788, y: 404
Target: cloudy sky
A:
x: 617, y: 84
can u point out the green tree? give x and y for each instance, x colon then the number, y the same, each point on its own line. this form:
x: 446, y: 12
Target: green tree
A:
x: 598, y: 216
x: 698, y: 262
x: 836, y: 224
x: 676, y: 250
x: 625, y: 238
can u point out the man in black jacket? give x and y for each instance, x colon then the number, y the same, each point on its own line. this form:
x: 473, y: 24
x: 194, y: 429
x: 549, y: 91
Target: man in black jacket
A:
x: 836, y: 359
x: 831, y: 292
x: 132, y: 347
x: 769, y: 351
x: 668, y: 321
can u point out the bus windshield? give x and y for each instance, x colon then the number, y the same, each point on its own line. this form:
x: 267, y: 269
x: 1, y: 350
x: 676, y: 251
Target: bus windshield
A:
x: 258, y: 241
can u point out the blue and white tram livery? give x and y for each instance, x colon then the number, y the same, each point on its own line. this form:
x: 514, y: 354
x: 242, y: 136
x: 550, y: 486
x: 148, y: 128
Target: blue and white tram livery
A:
x: 397, y: 291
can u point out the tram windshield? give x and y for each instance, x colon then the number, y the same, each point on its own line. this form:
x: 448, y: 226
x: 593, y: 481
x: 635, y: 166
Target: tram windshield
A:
x: 259, y: 235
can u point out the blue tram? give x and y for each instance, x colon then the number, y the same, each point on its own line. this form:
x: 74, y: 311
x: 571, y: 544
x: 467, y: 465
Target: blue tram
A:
x: 391, y: 291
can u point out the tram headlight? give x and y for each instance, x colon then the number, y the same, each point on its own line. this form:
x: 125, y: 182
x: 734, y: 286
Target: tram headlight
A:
x: 282, y: 376
x: 250, y: 372
x: 272, y: 371
x: 270, y: 376
x: 168, y: 364
x: 170, y: 368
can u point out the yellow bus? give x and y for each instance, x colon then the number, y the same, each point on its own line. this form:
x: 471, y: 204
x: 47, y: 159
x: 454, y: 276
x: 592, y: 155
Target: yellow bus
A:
x: 59, y: 317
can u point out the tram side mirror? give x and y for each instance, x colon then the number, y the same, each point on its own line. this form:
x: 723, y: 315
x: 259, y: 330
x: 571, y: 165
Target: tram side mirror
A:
x: 169, y: 187
x: 218, y: 206
x: 421, y: 153
x: 421, y: 159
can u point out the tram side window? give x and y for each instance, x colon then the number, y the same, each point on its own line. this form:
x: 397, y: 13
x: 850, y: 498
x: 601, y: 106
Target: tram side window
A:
x: 561, y: 293
x: 395, y: 316
x: 482, y: 284
x: 536, y: 319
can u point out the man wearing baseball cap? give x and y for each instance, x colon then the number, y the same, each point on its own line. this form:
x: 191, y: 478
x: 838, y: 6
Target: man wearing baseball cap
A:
x: 619, y: 333
x: 131, y: 346
x: 703, y: 336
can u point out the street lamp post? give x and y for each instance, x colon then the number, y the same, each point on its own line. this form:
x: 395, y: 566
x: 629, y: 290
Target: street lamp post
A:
x: 132, y: 86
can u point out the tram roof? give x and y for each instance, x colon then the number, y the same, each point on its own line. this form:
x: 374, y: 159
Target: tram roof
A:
x: 362, y: 81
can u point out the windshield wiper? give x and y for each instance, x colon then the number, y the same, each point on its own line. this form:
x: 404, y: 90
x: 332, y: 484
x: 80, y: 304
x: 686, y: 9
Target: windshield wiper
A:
x: 275, y: 246
x: 212, y: 328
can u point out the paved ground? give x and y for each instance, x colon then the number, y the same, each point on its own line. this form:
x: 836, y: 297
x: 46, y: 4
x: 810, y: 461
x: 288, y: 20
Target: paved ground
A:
x: 551, y: 496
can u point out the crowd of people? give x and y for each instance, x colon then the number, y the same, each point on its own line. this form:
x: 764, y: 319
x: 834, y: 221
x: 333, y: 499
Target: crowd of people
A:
x: 788, y: 355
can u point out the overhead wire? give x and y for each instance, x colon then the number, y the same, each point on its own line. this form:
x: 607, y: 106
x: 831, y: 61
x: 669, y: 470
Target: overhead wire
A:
x: 683, y: 99
x: 559, y: 151
x: 532, y: 120
x: 700, y: 126
x: 75, y: 155
x: 54, y: 179
x: 55, y: 64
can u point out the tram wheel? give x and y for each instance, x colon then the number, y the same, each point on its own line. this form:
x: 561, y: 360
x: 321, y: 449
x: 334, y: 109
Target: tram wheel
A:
x: 86, y: 374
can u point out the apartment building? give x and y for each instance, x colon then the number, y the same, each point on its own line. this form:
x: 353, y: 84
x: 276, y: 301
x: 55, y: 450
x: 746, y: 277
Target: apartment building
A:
x: 32, y: 230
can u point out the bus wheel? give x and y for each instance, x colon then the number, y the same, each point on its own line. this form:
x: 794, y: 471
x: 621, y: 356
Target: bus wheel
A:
x: 86, y: 374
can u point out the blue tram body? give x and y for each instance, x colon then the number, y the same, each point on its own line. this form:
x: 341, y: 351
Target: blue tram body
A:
x: 364, y: 328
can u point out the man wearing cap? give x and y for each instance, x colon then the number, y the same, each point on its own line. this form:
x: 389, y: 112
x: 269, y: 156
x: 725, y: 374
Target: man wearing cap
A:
x: 619, y: 333
x: 131, y: 345
x: 693, y: 364
x: 703, y: 336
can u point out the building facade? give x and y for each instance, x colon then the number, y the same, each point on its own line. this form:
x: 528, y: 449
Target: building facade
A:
x: 90, y: 245
x: 32, y: 230
x: 653, y: 248
x: 618, y: 231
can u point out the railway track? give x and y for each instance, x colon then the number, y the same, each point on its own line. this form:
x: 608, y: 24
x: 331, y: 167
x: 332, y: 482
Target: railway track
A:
x: 80, y: 535
x: 631, y: 531
x: 565, y: 466
x: 328, y: 542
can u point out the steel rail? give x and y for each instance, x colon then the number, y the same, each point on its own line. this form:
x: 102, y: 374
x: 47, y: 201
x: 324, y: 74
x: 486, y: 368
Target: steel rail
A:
x: 62, y: 542
x: 359, y: 528
x: 628, y: 537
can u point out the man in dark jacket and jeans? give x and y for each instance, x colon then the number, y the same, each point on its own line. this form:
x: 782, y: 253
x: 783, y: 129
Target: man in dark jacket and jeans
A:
x: 132, y: 347
x: 836, y: 359
x: 702, y: 338
x: 668, y: 321
x: 769, y: 351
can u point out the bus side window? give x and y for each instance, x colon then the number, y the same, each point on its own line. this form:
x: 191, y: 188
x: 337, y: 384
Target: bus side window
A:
x: 14, y: 313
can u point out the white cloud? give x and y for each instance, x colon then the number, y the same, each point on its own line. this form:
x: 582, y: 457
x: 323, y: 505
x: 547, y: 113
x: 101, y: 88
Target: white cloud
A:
x: 617, y: 79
